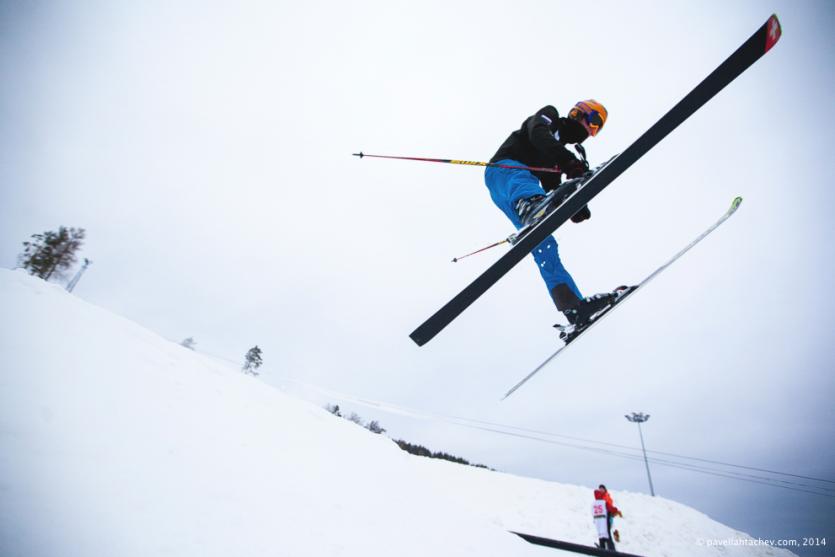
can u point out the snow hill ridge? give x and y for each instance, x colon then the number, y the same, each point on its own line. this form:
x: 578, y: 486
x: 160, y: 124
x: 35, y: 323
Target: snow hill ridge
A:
x: 117, y: 442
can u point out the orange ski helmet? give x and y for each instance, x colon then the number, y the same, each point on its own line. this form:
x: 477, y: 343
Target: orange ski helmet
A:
x: 591, y: 114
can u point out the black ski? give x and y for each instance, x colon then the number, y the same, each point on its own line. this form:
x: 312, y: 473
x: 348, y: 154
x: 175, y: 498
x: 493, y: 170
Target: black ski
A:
x: 572, y: 547
x: 751, y: 50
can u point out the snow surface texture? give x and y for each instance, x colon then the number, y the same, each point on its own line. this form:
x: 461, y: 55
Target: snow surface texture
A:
x: 115, y: 441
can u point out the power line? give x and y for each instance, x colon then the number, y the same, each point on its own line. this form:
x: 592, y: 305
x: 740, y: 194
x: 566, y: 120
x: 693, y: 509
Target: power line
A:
x: 693, y: 468
x: 535, y: 435
x: 532, y: 434
x: 755, y: 469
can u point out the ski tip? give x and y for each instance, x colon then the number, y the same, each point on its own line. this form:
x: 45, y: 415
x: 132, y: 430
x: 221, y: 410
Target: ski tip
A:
x: 736, y: 203
x: 360, y: 155
x: 773, y: 32
x: 418, y: 339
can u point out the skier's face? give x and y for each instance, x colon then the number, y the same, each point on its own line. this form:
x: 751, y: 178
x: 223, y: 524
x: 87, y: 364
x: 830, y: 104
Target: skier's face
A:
x: 572, y: 131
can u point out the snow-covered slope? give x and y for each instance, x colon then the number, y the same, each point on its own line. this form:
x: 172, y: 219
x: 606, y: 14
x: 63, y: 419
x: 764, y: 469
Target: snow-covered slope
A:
x: 114, y: 441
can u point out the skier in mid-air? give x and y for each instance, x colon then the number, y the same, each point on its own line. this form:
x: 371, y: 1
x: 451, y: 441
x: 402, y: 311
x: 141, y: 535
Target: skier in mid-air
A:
x: 519, y: 193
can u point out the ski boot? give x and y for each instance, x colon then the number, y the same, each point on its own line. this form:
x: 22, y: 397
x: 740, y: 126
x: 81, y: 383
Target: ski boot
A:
x: 533, y: 209
x: 582, y: 312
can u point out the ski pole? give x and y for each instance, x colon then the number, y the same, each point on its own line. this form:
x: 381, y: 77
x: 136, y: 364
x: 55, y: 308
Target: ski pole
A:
x: 512, y: 239
x: 467, y: 163
x: 457, y: 259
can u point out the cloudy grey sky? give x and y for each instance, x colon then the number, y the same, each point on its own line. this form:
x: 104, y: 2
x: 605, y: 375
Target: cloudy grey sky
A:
x: 206, y: 149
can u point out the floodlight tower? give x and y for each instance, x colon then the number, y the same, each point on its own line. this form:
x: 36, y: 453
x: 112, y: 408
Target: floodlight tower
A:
x: 77, y: 276
x: 639, y: 418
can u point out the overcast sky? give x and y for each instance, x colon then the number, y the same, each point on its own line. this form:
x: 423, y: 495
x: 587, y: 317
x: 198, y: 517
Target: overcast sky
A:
x: 206, y: 149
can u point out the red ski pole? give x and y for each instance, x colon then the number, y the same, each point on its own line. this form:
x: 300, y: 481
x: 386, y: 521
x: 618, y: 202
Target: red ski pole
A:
x: 467, y: 163
x: 457, y: 259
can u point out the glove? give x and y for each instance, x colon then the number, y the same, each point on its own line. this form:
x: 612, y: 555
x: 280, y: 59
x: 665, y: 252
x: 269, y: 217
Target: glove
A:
x: 620, y: 514
x: 551, y: 181
x: 581, y: 215
x: 575, y: 168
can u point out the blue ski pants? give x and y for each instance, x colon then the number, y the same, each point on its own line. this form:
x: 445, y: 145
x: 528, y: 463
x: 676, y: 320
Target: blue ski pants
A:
x: 507, y: 186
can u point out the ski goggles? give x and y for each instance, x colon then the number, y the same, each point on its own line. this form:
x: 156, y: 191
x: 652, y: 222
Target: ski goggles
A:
x: 591, y: 120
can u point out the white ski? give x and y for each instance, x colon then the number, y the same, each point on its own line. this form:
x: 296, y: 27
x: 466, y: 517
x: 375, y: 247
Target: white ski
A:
x: 574, y: 334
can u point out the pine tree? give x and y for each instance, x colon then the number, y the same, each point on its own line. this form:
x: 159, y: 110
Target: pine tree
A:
x: 51, y: 253
x: 374, y: 427
x: 189, y: 343
x: 252, y: 361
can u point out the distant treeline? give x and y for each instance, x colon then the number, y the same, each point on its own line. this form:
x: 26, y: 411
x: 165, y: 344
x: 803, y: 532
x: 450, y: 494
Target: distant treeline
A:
x: 418, y: 450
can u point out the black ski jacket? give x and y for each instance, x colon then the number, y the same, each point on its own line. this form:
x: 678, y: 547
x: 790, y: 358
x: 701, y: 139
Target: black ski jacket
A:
x: 535, y: 144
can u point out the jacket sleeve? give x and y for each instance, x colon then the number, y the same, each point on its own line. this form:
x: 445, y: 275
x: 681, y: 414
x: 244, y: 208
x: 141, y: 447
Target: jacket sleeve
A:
x: 540, y: 128
x: 610, y: 505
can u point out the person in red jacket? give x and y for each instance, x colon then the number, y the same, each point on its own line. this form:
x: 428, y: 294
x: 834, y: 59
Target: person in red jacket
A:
x: 611, y: 511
